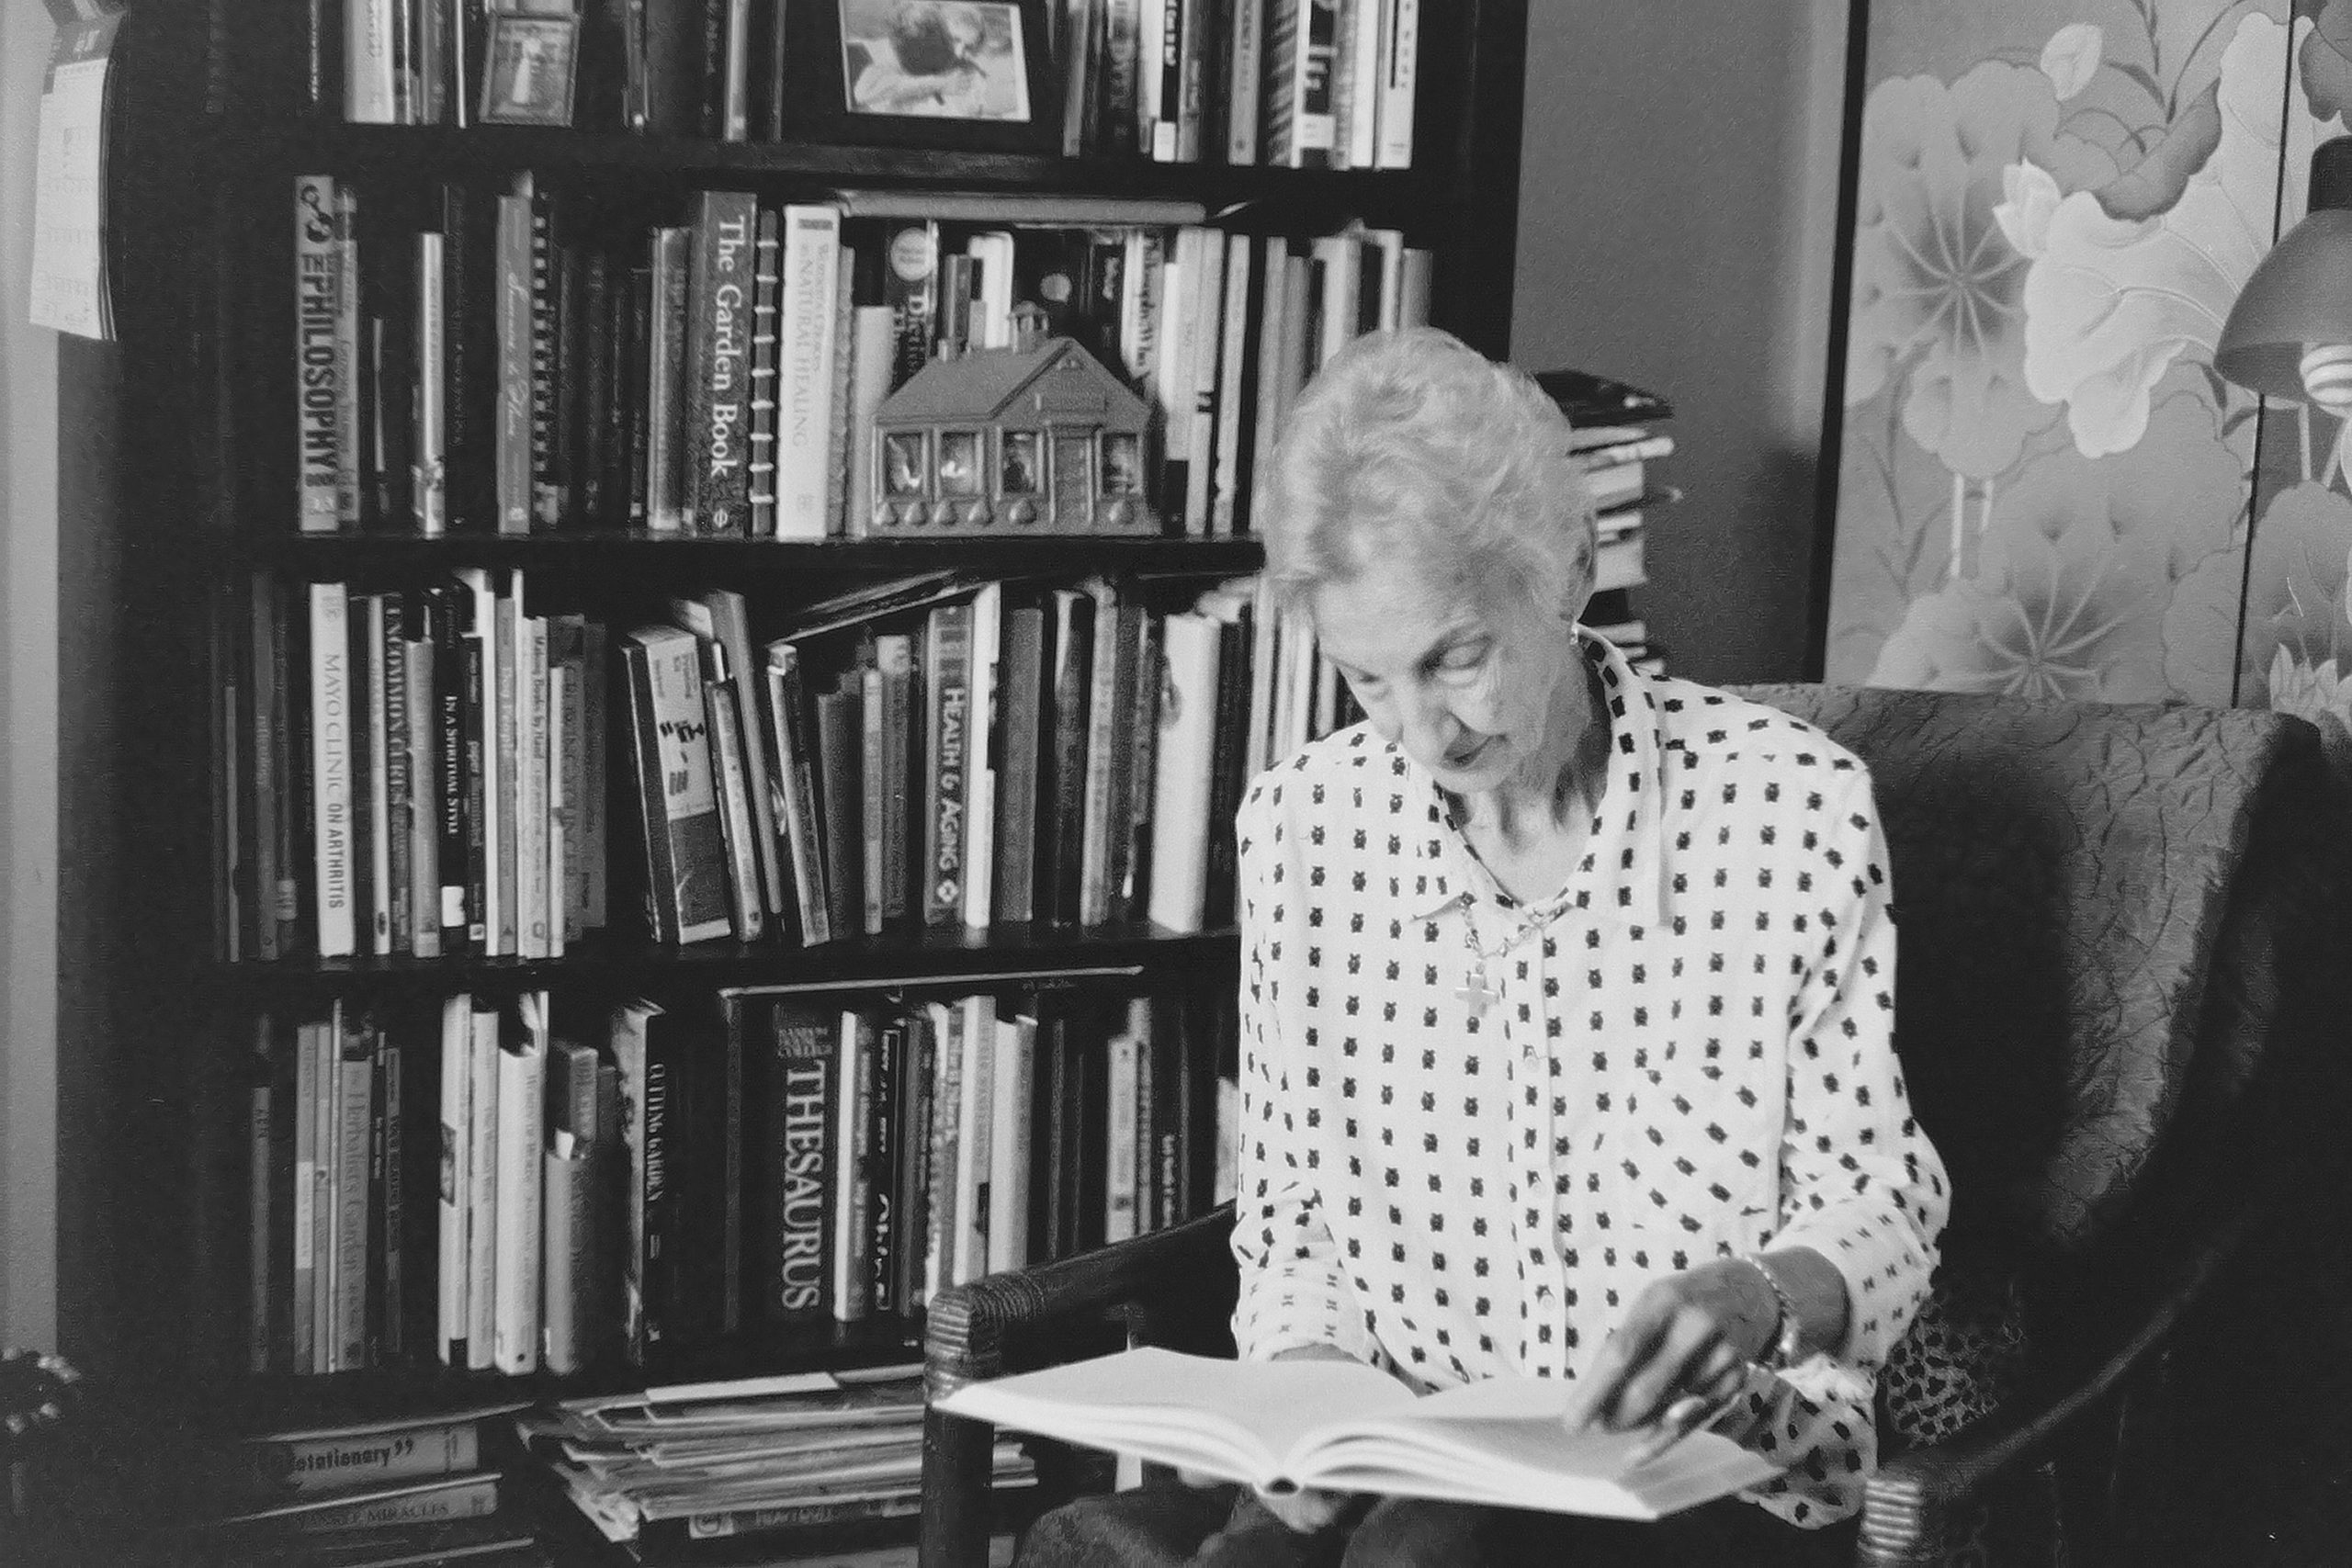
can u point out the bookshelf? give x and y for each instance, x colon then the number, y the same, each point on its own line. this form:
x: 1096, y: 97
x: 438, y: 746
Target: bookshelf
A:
x: 172, y: 494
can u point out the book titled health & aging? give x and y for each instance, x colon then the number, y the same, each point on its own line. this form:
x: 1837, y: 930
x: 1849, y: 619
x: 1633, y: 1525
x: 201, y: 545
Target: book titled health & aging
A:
x: 1343, y: 1426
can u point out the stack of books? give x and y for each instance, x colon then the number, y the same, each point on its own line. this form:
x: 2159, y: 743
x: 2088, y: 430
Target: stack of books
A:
x: 379, y: 1495
x: 795, y: 1464
x: 1616, y: 443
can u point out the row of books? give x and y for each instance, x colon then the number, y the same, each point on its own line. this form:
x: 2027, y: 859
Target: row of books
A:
x: 1297, y: 84
x: 419, y: 772
x: 1616, y: 442
x: 767, y: 1461
x: 1291, y: 84
x: 651, y: 1181
x: 446, y: 769
x: 470, y: 360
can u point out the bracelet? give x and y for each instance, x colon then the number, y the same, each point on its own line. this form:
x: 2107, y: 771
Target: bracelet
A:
x: 1790, y: 1329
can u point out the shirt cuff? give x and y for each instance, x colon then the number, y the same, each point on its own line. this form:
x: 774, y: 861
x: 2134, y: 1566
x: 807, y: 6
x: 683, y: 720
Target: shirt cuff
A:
x: 1300, y: 1309
x: 1882, y: 1266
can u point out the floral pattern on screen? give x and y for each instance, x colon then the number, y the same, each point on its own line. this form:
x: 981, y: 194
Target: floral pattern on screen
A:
x: 2044, y: 487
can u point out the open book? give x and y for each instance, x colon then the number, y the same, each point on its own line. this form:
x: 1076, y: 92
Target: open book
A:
x: 1341, y: 1427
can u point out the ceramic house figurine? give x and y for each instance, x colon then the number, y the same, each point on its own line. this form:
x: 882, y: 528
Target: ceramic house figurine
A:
x: 1039, y: 438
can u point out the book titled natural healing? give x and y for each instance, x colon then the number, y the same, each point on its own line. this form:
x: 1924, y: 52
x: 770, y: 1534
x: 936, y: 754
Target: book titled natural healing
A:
x: 1343, y: 1427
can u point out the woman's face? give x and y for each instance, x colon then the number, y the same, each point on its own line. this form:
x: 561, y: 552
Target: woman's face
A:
x: 1473, y: 692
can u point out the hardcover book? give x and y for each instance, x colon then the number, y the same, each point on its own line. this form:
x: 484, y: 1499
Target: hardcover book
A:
x: 685, y: 848
x: 1343, y: 1427
x: 717, y: 425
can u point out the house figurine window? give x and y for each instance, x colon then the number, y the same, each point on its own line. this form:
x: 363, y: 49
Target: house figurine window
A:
x: 1036, y: 438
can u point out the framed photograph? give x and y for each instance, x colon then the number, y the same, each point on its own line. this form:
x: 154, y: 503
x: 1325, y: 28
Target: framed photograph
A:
x: 968, y: 74
x: 528, y: 64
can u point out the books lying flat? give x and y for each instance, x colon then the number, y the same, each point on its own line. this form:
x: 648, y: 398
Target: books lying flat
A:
x: 1343, y: 1428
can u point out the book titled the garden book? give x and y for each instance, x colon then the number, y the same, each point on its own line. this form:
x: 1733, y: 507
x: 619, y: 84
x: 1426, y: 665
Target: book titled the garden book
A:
x: 1341, y: 1427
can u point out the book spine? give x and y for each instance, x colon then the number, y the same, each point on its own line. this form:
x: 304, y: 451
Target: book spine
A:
x: 261, y: 1271
x: 718, y: 363
x: 595, y: 757
x: 546, y: 339
x: 317, y: 369
x: 984, y: 741
x: 568, y: 1251
x: 374, y: 668
x: 1113, y: 639
x: 472, y: 1498
x: 511, y: 440
x: 854, y: 1193
x: 840, y: 410
x: 325, y: 1044
x: 457, y: 1120
x: 794, y: 775
x: 881, y: 1113
x: 804, y: 1162
x: 1398, y: 80
x: 271, y: 893
x: 946, y: 750
x: 536, y: 899
x: 665, y: 367
x: 910, y: 291
x: 507, y: 734
x: 394, y: 747
x: 568, y: 659
x: 1182, y: 769
x: 837, y: 765
x: 368, y: 89
x: 303, y: 1330
x: 738, y: 825
x: 522, y: 1094
x: 1244, y: 72
x: 917, y: 1078
x: 805, y: 347
x: 347, y: 498
x: 1020, y: 714
x: 871, y: 365
x: 873, y: 788
x: 428, y: 481
x: 893, y: 656
x: 685, y: 843
x: 1193, y: 62
x: 442, y: 608
x: 767, y: 281
x: 1009, y: 1144
x: 422, y: 725
x: 1119, y: 1147
x: 482, y: 1188
x: 392, y: 1237
x: 354, y: 1102
x: 306, y: 1466
x: 331, y: 720
x: 1061, y: 872
x: 947, y: 1149
x: 974, y: 1113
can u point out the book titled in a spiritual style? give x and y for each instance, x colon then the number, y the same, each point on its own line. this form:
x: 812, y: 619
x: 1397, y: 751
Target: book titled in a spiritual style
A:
x: 1341, y: 1426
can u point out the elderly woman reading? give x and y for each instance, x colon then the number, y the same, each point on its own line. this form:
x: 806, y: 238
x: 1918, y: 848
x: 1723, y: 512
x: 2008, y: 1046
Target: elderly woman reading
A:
x: 1567, y: 1005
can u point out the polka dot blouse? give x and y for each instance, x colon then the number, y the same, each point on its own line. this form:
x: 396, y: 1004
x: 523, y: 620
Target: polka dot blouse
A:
x: 1462, y: 1167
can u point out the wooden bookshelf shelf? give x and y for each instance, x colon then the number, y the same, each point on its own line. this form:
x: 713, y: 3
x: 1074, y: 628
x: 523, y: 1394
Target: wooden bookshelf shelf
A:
x: 755, y: 558
x: 480, y: 151
x: 1041, y: 954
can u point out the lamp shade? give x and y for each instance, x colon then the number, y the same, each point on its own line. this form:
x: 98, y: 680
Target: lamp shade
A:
x: 2300, y: 294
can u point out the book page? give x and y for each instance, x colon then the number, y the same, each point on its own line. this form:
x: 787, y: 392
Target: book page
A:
x: 1230, y: 1418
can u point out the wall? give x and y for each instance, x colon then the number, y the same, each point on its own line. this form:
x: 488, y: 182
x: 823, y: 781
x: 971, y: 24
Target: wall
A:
x: 27, y: 720
x: 1677, y: 229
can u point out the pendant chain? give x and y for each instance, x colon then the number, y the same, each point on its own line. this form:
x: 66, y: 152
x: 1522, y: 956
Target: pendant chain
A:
x: 1477, y: 989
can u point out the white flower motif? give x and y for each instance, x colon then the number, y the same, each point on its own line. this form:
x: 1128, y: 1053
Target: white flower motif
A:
x: 2310, y: 691
x: 2024, y: 216
x: 2071, y: 57
x: 2111, y: 304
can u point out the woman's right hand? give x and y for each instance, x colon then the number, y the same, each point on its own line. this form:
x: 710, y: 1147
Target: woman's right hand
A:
x: 1302, y: 1511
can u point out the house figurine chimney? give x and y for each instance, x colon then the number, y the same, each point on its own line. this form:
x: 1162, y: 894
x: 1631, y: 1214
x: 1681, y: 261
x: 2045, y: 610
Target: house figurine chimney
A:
x: 1028, y: 327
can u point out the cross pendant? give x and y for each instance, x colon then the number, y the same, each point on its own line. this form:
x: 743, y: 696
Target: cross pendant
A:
x: 1474, y: 991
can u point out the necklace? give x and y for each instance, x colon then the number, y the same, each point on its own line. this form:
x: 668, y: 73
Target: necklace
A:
x: 1477, y: 988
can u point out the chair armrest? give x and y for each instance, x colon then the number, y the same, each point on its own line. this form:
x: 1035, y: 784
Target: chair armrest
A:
x: 1911, y: 1507
x: 965, y: 1326
x: 964, y: 1337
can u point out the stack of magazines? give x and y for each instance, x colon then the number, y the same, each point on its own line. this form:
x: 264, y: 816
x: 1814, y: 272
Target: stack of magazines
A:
x: 811, y: 1454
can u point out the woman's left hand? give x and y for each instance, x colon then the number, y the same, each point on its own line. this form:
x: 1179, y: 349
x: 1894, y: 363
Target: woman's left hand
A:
x: 1687, y: 1335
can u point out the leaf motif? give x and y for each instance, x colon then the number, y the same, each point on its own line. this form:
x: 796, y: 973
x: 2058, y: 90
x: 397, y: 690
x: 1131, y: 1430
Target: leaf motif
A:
x: 2157, y: 180
x: 2071, y: 57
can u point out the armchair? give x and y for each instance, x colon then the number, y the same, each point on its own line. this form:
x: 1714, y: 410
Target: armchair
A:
x: 2116, y: 929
